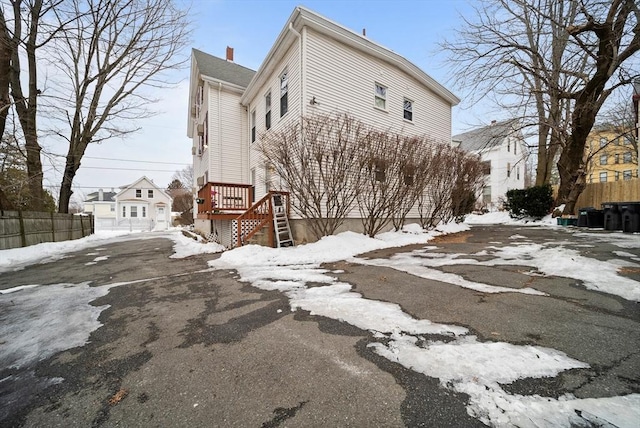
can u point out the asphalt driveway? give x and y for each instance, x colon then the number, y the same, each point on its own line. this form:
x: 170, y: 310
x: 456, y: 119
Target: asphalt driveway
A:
x: 181, y: 344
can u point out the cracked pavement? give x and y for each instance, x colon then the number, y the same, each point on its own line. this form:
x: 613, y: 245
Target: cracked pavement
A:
x: 190, y: 346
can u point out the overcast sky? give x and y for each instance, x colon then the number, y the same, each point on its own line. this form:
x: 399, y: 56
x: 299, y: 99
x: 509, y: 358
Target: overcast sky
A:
x: 410, y: 28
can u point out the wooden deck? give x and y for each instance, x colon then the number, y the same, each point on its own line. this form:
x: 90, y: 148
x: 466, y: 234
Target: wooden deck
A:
x: 224, y: 201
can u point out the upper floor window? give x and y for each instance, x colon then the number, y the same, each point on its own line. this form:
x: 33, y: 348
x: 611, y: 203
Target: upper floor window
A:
x: 138, y: 193
x: 603, y: 159
x: 284, y: 94
x: 508, y: 169
x: 408, y: 110
x: 603, y: 177
x: 150, y: 194
x: 267, y: 109
x: 517, y: 170
x: 253, y: 126
x: 628, y: 139
x: 626, y: 157
x: 626, y: 175
x: 381, y: 96
x: 616, y: 158
x: 617, y: 175
x: 515, y: 148
x: 603, y: 142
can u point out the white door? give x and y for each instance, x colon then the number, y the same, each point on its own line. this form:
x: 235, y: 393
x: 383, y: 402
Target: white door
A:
x: 161, y: 218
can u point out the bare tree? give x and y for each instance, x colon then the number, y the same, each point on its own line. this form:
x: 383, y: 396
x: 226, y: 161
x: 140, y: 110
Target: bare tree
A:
x: 185, y: 177
x: 609, y: 34
x: 316, y: 160
x: 454, y: 182
x: 514, y: 52
x: 113, y: 53
x: 28, y: 33
x: 549, y: 61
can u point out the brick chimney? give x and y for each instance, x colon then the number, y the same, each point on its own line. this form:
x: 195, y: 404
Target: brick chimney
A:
x: 229, y: 54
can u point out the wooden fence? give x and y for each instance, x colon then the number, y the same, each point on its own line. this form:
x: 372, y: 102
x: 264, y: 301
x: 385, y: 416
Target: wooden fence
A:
x: 613, y: 191
x: 21, y: 229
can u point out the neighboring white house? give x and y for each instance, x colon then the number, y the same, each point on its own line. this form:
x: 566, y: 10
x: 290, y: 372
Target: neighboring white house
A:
x: 501, y: 146
x: 315, y: 66
x: 142, y: 205
x: 103, y: 207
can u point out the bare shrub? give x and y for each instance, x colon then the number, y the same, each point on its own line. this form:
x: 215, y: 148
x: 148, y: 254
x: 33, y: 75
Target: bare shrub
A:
x: 315, y: 160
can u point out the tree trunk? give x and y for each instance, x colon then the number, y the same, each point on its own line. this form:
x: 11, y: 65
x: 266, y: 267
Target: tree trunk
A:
x: 26, y: 107
x: 5, y: 72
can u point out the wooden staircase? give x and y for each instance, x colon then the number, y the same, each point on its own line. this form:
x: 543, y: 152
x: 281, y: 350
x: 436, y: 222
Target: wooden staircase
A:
x: 271, y: 212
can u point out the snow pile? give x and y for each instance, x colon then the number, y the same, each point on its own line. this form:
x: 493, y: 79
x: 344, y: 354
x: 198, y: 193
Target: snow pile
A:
x: 185, y: 247
x: 497, y: 217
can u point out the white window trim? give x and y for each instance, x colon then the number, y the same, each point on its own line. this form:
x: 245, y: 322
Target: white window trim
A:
x: 376, y: 85
x: 404, y: 100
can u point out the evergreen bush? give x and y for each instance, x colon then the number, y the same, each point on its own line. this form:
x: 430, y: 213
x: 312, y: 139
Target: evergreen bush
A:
x: 533, y: 202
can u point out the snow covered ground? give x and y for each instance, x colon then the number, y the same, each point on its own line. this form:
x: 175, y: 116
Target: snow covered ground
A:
x: 450, y: 353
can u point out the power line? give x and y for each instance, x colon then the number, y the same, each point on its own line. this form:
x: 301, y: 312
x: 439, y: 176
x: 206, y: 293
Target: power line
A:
x: 127, y: 169
x: 129, y: 160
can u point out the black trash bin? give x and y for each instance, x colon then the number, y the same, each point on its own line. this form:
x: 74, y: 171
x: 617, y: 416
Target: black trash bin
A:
x: 612, y: 216
x: 583, y: 216
x: 595, y: 219
x: 630, y: 213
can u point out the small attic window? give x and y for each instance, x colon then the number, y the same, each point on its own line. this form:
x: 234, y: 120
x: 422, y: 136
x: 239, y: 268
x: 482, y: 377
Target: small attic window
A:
x: 138, y: 193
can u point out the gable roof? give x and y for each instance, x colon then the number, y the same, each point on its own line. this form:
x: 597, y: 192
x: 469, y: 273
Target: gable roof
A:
x: 106, y: 197
x: 223, y: 70
x: 485, y: 138
x: 135, y: 183
x: 302, y: 16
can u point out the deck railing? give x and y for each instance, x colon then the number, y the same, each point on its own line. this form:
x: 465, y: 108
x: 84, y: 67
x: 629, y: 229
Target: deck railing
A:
x: 259, y: 216
x: 220, y: 198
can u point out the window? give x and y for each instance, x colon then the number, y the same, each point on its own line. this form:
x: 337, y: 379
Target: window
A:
x: 138, y: 193
x: 508, y: 145
x: 603, y: 177
x: 486, y: 167
x: 590, y: 178
x: 112, y: 208
x: 617, y: 175
x: 284, y: 94
x: 409, y: 173
x: 253, y: 126
x: 626, y: 175
x: 616, y: 158
x: 267, y: 177
x: 408, y: 110
x: 626, y: 157
x: 486, y: 195
x: 515, y: 148
x: 150, y: 194
x: 381, y: 97
x: 379, y: 171
x: 603, y: 142
x: 267, y: 109
x: 517, y: 170
x: 603, y: 159
x: 124, y: 211
x: 627, y: 139
x: 508, y: 170
x: 144, y: 212
x: 134, y: 211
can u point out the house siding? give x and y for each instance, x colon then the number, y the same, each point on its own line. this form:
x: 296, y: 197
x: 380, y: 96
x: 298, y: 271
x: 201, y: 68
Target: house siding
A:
x: 499, y: 180
x: 342, y: 79
x: 291, y: 63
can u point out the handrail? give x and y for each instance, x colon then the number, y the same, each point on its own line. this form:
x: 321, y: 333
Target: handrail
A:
x: 224, y: 198
x: 263, y: 211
